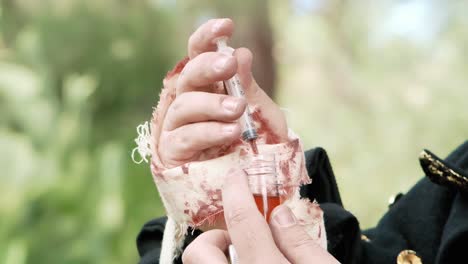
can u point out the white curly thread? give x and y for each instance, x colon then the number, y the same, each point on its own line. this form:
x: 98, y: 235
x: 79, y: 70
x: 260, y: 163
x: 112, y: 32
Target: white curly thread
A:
x: 143, y: 143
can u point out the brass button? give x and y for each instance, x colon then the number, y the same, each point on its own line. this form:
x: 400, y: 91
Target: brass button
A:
x: 365, y: 238
x: 408, y: 257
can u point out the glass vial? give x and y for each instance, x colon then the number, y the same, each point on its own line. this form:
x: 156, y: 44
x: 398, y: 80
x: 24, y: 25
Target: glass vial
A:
x: 263, y: 182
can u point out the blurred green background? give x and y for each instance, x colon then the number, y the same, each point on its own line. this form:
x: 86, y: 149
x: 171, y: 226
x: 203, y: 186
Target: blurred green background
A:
x: 373, y: 82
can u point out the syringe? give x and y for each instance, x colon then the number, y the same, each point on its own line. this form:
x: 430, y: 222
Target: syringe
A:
x: 234, y: 88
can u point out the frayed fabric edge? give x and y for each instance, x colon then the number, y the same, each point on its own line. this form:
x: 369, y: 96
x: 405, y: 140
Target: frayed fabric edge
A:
x: 173, y: 241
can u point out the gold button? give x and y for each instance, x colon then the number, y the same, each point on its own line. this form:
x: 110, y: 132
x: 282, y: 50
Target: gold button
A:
x: 408, y: 257
x: 365, y: 238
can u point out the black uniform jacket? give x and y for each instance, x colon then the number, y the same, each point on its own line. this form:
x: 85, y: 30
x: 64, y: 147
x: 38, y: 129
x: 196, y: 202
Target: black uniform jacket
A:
x: 429, y: 224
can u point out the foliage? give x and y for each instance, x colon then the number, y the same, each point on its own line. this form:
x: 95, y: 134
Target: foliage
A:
x: 75, y: 81
x: 77, y: 77
x: 374, y: 83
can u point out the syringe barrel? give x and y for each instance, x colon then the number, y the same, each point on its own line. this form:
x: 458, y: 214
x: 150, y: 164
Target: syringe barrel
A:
x: 234, y: 88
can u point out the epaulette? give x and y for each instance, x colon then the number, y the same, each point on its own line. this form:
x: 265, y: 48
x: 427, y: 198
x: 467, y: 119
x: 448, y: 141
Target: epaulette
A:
x: 443, y: 173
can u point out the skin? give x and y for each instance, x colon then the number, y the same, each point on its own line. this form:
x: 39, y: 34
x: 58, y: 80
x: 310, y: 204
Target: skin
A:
x: 202, y: 118
x: 283, y: 241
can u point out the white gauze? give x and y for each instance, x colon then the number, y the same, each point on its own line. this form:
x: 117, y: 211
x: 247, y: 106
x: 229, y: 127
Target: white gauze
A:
x: 191, y: 193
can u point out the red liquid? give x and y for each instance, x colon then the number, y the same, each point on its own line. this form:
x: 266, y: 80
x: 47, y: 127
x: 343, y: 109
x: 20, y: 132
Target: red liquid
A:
x: 253, y: 145
x: 273, y: 201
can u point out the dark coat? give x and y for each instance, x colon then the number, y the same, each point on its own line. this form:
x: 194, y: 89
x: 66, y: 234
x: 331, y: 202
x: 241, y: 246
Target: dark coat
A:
x: 429, y: 223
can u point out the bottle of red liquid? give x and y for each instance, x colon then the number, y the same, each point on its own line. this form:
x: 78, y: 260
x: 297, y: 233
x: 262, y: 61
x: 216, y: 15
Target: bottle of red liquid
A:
x: 263, y: 182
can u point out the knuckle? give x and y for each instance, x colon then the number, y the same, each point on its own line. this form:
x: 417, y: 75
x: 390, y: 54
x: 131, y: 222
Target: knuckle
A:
x: 199, y: 132
x: 221, y: 99
x: 178, y: 102
x: 169, y: 123
x: 178, y: 142
x: 301, y: 240
x: 177, y: 105
x: 231, y: 68
x: 182, y: 142
x: 162, y: 140
x: 194, y: 39
x: 182, y: 79
x: 239, y: 216
x: 170, y: 117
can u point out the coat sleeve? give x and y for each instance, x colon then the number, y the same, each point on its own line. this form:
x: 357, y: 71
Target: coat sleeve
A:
x: 429, y: 220
x: 427, y: 223
x: 149, y: 241
x: 323, y: 189
x: 343, y: 232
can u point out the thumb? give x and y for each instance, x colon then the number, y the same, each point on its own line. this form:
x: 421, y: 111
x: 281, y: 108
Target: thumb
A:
x: 244, y: 70
x: 293, y: 241
x: 256, y: 97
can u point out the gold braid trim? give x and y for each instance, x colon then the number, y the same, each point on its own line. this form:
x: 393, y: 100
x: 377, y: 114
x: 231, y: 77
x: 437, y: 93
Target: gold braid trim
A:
x: 441, y: 173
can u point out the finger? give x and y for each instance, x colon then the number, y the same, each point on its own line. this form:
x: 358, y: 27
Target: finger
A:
x: 246, y: 226
x: 244, y: 69
x: 204, y: 70
x: 186, y: 141
x: 194, y: 107
x: 257, y: 97
x: 293, y: 240
x: 203, y: 39
x: 209, y: 247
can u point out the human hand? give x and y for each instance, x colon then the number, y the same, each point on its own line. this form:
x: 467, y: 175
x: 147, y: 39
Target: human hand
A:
x: 283, y: 241
x: 200, y: 123
x: 191, y: 124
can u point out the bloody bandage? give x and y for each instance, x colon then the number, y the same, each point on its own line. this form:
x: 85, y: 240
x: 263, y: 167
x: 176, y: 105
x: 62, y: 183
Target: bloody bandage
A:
x: 191, y: 193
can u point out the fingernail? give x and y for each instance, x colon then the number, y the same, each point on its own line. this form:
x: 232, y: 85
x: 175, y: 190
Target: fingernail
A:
x: 220, y: 64
x: 217, y: 25
x: 231, y: 104
x: 283, y: 216
x: 229, y: 129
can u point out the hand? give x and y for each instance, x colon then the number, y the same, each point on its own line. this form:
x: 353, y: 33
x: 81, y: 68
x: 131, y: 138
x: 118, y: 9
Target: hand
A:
x: 283, y: 241
x: 202, y: 118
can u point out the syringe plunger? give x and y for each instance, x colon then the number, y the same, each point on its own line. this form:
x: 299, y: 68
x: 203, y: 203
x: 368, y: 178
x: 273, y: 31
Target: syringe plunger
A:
x: 234, y: 88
